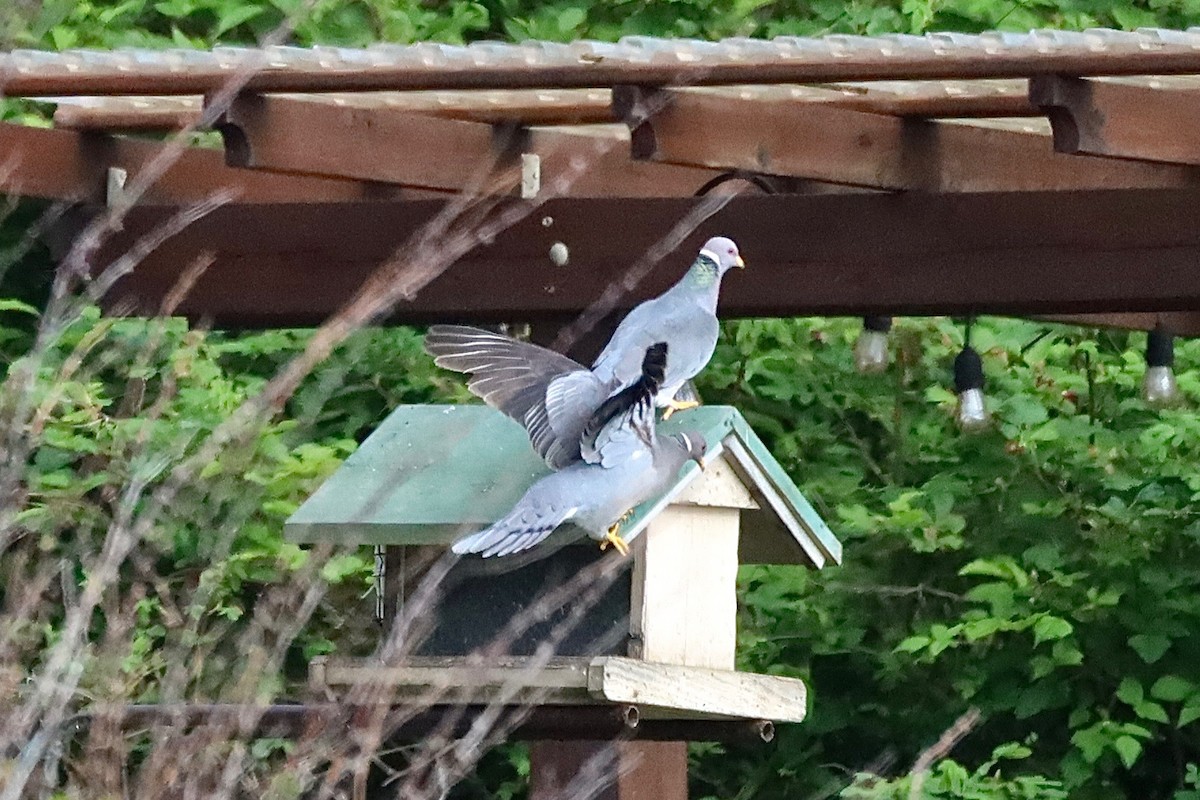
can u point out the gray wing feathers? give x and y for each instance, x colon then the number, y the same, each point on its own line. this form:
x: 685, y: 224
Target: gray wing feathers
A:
x: 509, y: 375
x: 550, y: 394
x: 570, y: 401
x: 522, y: 528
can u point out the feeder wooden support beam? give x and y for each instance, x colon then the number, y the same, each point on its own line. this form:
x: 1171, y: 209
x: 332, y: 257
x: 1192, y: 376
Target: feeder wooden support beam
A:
x: 822, y: 142
x: 1120, y: 120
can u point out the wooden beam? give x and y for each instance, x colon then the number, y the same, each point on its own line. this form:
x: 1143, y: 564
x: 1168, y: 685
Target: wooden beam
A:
x: 64, y: 165
x: 515, y: 67
x: 314, y: 136
x: 1181, y: 323
x: 1120, y: 120
x: 1019, y: 253
x: 608, y: 770
x: 863, y: 149
x: 915, y: 99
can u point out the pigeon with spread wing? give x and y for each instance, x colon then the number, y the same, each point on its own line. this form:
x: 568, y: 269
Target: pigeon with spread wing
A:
x: 554, y: 396
x: 629, y: 463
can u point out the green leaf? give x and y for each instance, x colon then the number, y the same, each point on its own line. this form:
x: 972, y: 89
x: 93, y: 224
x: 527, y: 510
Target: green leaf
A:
x: 8, y: 304
x: 1171, y: 688
x: 1049, y: 627
x: 1189, y: 713
x: 912, y: 644
x: 1150, y: 647
x: 1130, y: 691
x: 1151, y: 711
x: 1128, y: 749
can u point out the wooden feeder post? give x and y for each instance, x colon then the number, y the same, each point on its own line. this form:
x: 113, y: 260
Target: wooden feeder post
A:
x: 655, y: 646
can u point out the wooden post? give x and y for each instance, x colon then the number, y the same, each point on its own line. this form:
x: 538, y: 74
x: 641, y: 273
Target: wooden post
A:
x: 628, y: 770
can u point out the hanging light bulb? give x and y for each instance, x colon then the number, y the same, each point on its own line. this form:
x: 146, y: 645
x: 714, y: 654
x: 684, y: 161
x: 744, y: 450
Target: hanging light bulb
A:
x: 1158, y: 386
x: 871, y: 348
x: 971, y: 414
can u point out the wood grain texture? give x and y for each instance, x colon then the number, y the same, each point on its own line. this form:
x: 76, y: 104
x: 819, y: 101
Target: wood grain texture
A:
x: 687, y: 570
x: 859, y: 148
x: 1120, y: 120
x: 698, y: 690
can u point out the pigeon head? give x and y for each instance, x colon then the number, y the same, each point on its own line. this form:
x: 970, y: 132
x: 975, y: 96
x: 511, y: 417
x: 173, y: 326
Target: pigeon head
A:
x: 722, y: 252
x: 693, y: 446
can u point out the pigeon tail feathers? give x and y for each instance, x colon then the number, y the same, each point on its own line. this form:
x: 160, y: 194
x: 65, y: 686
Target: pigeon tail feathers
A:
x: 636, y: 400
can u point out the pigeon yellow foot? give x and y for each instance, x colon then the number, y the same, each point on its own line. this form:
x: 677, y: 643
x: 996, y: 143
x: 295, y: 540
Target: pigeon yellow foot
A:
x: 678, y: 405
x: 614, y: 538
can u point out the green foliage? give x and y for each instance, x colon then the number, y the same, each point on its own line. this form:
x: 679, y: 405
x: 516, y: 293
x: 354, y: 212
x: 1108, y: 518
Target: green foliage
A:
x: 1042, y: 572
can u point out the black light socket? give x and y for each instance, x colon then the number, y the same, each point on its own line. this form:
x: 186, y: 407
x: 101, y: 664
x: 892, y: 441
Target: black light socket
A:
x: 879, y: 324
x: 1160, y: 348
x: 968, y: 370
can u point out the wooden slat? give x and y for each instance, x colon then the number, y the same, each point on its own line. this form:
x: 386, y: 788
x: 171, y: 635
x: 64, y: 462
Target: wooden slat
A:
x: 686, y: 570
x: 918, y: 99
x: 63, y: 165
x: 451, y: 680
x: 317, y: 137
x: 821, y: 61
x: 1180, y: 323
x: 1018, y: 253
x: 1119, y: 120
x: 864, y: 149
x: 696, y: 689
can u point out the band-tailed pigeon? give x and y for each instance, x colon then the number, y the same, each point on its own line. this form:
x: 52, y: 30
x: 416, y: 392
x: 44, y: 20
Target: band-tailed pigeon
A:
x: 554, y: 396
x: 632, y: 463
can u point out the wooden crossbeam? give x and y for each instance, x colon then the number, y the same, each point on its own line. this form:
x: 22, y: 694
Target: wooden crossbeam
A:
x: 822, y: 61
x: 1019, y: 253
x: 1181, y: 323
x: 568, y: 106
x: 63, y: 165
x: 1120, y: 120
x: 317, y: 137
x: 858, y: 148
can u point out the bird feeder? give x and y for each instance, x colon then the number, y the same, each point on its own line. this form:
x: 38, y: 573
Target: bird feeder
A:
x: 661, y: 635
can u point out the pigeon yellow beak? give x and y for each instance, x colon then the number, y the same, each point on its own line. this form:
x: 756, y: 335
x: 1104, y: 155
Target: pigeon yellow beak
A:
x: 740, y: 263
x: 700, y: 462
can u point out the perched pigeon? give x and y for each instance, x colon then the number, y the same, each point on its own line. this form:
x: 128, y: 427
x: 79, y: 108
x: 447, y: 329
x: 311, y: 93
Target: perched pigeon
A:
x: 633, y: 464
x: 554, y: 396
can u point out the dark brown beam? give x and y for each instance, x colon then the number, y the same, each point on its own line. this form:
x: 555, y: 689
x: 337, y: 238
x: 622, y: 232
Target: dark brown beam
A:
x: 1119, y: 120
x: 64, y: 165
x: 1017, y: 253
x: 404, y: 723
x: 818, y: 65
x: 315, y: 137
x: 1181, y: 323
x: 840, y: 145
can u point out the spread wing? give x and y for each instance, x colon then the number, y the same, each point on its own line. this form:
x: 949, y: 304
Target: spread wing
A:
x: 550, y: 394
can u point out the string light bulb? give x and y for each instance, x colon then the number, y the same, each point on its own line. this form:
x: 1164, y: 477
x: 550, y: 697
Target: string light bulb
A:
x: 871, y: 347
x: 971, y: 415
x: 1159, y: 388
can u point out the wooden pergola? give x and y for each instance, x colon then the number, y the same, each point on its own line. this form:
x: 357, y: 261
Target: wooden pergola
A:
x: 1045, y: 174
x: 1049, y: 173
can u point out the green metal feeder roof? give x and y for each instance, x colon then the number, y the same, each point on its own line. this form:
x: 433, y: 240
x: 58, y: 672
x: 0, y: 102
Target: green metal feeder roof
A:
x: 431, y: 473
